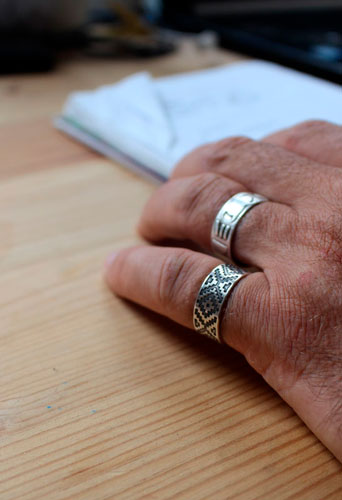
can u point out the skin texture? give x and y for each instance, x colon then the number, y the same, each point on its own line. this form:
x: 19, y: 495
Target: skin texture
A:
x: 285, y: 318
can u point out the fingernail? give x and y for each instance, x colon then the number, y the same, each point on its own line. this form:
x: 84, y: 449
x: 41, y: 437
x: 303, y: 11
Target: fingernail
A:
x: 110, y: 259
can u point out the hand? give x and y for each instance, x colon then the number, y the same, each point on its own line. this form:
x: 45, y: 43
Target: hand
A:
x: 286, y: 318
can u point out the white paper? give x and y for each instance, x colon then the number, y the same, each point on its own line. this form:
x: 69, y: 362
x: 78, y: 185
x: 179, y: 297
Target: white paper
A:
x: 157, y: 121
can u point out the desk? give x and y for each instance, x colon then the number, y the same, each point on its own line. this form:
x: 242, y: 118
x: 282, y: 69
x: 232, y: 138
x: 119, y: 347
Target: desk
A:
x: 101, y: 399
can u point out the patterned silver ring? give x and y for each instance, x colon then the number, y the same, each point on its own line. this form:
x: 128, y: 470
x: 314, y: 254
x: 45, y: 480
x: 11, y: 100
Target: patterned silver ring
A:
x: 211, y: 297
x: 227, y: 219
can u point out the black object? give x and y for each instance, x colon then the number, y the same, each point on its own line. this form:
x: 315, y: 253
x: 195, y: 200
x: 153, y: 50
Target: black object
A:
x: 24, y: 55
x: 306, y: 36
x: 31, y: 52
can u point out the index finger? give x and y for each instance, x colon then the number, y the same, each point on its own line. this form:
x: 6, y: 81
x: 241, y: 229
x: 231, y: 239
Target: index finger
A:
x: 167, y: 281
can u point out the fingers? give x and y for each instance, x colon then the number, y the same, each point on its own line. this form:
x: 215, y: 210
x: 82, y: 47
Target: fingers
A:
x: 185, y: 209
x: 318, y: 140
x: 263, y: 168
x: 167, y: 281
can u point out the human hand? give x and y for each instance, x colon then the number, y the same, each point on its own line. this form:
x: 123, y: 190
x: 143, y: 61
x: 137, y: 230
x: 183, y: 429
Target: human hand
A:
x: 286, y: 318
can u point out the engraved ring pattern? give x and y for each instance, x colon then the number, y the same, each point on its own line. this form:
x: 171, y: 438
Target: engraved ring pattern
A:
x: 227, y: 220
x: 211, y: 297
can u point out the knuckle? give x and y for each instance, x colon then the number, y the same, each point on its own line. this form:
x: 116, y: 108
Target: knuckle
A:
x: 173, y: 279
x: 195, y: 160
x: 221, y: 150
x: 234, y: 142
x: 297, y: 134
x: 309, y: 125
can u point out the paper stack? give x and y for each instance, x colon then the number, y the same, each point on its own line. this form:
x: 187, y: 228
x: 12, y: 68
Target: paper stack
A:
x: 149, y: 124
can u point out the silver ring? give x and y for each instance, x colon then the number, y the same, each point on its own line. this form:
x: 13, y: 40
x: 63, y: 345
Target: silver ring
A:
x: 211, y: 297
x: 227, y: 219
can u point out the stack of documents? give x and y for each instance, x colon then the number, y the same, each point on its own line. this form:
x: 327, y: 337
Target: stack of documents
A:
x: 149, y: 123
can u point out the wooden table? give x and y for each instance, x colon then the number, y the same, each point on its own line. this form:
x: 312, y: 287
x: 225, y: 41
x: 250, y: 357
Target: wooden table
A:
x: 101, y: 399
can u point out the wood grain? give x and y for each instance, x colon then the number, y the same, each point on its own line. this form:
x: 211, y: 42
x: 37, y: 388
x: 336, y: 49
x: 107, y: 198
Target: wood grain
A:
x: 101, y: 399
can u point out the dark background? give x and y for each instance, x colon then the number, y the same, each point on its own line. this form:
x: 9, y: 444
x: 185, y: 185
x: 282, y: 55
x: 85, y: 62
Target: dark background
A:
x: 304, y: 34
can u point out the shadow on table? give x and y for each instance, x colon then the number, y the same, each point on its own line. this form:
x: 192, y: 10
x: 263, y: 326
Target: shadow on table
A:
x: 221, y: 355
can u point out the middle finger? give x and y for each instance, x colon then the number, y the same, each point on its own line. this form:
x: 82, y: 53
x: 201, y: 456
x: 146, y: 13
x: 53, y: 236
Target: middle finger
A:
x: 185, y: 209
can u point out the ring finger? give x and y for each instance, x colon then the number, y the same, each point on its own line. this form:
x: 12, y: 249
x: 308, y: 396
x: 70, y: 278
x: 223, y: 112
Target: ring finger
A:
x: 185, y: 209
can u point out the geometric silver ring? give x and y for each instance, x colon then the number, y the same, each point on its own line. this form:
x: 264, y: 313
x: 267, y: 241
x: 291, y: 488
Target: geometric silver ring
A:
x: 211, y: 298
x: 227, y: 219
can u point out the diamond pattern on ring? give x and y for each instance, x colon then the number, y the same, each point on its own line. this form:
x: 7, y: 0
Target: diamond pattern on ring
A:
x: 211, y: 297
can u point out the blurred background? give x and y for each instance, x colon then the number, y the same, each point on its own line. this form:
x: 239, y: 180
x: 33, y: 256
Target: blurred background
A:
x: 304, y: 34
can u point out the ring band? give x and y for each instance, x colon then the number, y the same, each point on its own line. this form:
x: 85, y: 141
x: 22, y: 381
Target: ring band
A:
x: 211, y: 297
x: 228, y: 218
